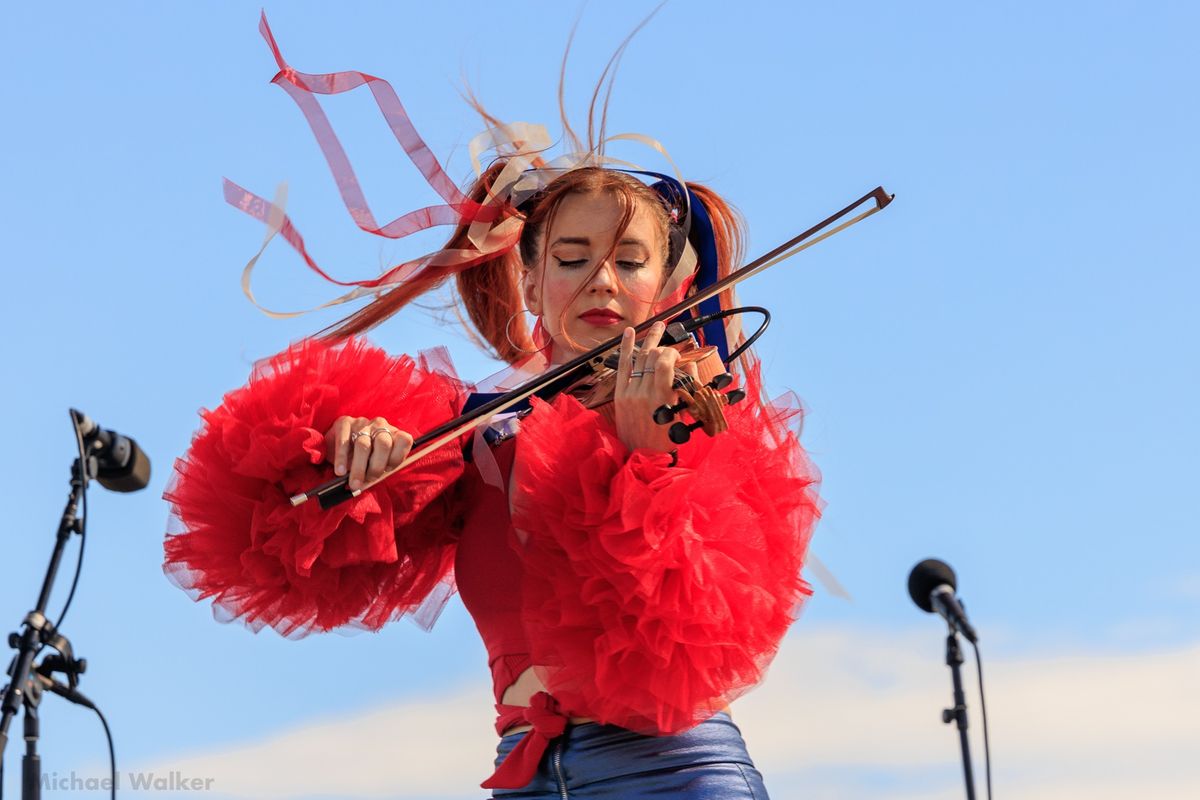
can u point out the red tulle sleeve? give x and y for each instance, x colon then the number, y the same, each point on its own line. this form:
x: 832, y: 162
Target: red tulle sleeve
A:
x: 657, y: 594
x: 235, y: 536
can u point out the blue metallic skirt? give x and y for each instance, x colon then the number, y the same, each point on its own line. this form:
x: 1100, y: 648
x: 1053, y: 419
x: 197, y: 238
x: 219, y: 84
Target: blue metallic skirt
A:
x: 606, y: 761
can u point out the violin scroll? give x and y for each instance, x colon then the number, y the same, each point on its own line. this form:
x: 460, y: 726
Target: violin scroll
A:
x: 664, y: 414
x: 707, y: 409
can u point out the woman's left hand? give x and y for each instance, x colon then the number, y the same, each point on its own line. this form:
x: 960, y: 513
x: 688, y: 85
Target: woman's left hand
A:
x: 644, y: 382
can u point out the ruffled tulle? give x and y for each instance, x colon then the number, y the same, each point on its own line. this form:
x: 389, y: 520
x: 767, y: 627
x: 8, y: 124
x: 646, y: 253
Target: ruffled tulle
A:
x: 385, y: 554
x: 655, y: 594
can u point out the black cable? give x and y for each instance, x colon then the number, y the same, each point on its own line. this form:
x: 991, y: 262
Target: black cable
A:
x: 766, y: 315
x: 112, y: 754
x: 82, y: 522
x: 987, y: 752
x: 729, y: 312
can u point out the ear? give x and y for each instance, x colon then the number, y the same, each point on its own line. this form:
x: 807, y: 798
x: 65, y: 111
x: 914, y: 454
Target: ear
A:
x: 531, y: 291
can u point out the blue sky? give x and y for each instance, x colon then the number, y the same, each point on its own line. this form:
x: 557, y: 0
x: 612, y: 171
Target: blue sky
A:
x: 1000, y: 370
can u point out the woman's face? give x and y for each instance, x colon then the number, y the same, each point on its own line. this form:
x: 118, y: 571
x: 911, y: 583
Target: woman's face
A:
x: 582, y: 233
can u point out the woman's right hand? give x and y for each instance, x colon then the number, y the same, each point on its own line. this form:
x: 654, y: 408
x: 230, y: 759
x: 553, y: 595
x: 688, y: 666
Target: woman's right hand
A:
x: 365, y: 447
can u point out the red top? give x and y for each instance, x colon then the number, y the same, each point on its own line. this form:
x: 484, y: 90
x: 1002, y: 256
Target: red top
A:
x: 649, y: 596
x: 488, y: 572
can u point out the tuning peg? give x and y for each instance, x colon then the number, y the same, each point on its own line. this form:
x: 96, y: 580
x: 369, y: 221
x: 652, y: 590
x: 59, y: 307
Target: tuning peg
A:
x: 664, y: 414
x: 736, y: 396
x: 680, y: 432
x: 721, y: 381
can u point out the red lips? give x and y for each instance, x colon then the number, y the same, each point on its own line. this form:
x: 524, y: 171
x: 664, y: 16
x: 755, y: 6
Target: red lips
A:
x: 601, y: 316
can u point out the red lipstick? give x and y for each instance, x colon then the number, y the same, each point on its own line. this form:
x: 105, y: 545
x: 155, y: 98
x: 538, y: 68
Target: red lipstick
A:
x: 601, y: 316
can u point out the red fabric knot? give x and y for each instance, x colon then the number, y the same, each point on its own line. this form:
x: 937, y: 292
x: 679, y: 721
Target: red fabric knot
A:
x: 521, y: 765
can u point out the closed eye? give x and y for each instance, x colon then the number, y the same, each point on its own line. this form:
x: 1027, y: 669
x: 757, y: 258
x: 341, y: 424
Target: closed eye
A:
x: 579, y: 262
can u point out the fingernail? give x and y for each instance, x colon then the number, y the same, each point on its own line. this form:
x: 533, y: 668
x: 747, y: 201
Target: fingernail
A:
x: 356, y: 484
x: 340, y: 469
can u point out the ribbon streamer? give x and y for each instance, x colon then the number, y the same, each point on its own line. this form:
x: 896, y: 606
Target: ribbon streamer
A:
x: 494, y: 224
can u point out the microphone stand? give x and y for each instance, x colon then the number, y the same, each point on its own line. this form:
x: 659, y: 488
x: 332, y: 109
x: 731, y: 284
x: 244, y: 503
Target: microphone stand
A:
x: 958, y: 713
x: 38, y: 632
x: 31, y: 762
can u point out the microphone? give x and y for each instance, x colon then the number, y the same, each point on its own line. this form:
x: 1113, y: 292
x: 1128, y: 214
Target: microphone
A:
x: 931, y: 586
x: 121, y: 466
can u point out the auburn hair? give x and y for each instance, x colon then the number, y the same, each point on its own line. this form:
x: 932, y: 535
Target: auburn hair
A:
x: 490, y: 291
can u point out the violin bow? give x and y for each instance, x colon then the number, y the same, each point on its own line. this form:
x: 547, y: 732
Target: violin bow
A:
x: 554, y: 380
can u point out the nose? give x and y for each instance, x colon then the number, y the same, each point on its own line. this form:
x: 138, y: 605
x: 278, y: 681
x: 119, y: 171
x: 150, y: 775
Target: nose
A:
x: 605, y: 279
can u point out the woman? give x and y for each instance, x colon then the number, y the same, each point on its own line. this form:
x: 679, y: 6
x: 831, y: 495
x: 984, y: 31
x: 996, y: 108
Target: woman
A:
x: 627, y: 589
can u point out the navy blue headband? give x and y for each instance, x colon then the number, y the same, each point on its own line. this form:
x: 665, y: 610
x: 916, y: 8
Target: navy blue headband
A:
x: 699, y: 230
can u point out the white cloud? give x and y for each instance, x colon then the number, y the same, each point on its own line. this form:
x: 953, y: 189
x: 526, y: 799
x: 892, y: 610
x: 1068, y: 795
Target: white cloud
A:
x: 843, y: 714
x: 837, y: 705
x: 441, y: 747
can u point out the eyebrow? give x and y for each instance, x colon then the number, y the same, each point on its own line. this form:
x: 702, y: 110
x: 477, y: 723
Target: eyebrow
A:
x: 586, y: 241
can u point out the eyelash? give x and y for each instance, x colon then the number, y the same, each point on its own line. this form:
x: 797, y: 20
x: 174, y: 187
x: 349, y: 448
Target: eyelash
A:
x: 632, y: 265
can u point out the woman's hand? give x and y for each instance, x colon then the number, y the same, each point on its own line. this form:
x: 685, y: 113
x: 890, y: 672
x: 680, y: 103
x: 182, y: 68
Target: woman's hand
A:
x: 644, y: 382
x: 367, y: 447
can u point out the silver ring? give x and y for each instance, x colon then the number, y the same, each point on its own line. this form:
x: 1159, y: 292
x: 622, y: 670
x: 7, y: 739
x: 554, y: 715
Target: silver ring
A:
x: 378, y: 431
x: 363, y: 432
x: 639, y: 373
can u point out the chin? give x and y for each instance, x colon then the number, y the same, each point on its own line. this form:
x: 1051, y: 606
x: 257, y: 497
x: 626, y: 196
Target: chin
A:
x: 580, y: 342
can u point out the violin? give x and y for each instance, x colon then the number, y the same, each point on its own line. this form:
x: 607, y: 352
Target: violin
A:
x: 589, y: 372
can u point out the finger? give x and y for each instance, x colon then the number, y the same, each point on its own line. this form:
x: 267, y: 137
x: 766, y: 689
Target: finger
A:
x: 377, y: 451
x: 336, y: 444
x: 360, y: 455
x: 625, y: 362
x: 401, y: 447
x: 381, y: 450
x: 654, y: 336
x: 664, y: 372
x: 647, y: 366
x: 346, y: 443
